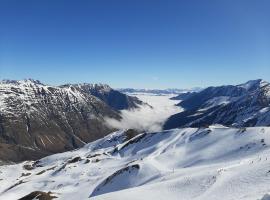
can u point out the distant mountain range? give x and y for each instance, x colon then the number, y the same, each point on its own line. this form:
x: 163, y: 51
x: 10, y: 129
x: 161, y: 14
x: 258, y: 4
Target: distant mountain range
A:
x: 158, y: 91
x: 241, y: 105
x: 38, y: 119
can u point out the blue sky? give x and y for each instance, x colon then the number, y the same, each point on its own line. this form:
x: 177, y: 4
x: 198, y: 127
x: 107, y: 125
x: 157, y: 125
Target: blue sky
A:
x: 135, y: 43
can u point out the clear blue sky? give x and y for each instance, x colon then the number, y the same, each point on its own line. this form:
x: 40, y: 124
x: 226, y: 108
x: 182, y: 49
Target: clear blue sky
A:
x: 135, y: 43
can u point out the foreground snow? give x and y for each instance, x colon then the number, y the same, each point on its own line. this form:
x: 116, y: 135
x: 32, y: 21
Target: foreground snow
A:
x: 190, y: 163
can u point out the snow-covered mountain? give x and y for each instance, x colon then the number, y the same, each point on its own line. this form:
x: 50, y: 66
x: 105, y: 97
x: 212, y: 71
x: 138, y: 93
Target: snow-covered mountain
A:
x: 37, y: 119
x: 179, y: 164
x: 115, y: 99
x: 247, y: 104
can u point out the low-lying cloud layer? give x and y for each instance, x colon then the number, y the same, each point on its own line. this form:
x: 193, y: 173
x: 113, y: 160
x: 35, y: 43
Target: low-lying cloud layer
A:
x: 146, y: 118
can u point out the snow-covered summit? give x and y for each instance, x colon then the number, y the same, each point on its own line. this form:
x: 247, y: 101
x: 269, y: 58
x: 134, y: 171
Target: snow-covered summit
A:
x: 99, y: 86
x: 24, y: 81
x: 253, y: 84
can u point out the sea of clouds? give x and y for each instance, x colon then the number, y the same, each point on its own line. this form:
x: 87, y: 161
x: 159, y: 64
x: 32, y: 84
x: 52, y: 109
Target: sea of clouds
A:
x: 147, y: 118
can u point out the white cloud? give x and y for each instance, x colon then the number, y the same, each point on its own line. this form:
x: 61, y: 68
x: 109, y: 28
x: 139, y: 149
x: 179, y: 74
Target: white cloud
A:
x: 146, y: 118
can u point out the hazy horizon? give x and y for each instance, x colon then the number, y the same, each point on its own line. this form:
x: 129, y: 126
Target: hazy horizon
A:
x: 89, y: 82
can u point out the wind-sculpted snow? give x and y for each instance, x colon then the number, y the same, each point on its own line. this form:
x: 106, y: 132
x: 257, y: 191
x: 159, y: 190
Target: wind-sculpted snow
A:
x: 124, y: 177
x: 180, y: 164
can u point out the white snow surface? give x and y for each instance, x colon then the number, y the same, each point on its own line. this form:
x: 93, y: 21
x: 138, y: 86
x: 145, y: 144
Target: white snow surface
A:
x: 146, y: 118
x: 23, y: 91
x: 179, y: 164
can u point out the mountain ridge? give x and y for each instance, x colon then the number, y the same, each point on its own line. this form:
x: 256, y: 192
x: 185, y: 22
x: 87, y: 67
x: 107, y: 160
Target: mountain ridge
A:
x: 50, y: 119
x: 241, y: 105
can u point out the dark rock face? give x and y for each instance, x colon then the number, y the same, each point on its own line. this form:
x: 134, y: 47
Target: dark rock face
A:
x: 38, y: 120
x: 241, y: 105
x: 39, y: 195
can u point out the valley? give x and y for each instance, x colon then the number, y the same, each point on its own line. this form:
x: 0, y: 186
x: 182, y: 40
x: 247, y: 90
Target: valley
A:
x: 148, y: 117
x: 194, y: 145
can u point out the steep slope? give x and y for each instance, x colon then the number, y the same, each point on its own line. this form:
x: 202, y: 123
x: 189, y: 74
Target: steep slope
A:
x: 37, y: 120
x: 179, y: 164
x: 241, y: 105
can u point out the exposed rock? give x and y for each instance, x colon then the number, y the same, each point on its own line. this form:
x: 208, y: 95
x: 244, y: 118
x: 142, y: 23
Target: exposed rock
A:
x: 39, y: 195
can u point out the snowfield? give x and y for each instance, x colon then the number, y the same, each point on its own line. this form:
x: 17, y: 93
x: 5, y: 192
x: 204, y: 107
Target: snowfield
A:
x: 180, y: 164
x: 146, y: 118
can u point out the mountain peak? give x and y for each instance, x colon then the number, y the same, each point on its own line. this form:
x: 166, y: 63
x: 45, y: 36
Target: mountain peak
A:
x: 252, y: 84
x: 23, y: 81
x: 31, y: 81
x: 100, y: 86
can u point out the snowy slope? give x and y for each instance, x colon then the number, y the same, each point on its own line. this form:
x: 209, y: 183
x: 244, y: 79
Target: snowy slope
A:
x: 189, y: 163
